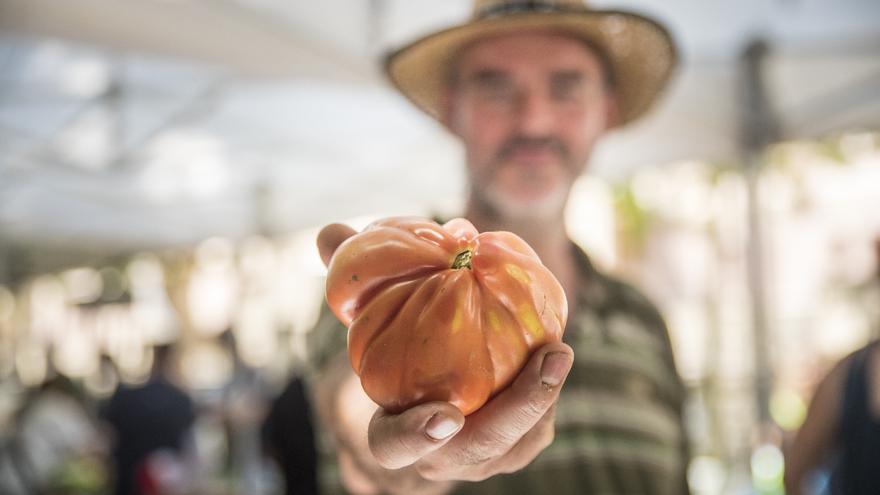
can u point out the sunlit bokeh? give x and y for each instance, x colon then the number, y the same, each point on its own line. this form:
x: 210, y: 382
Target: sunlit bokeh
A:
x: 166, y: 190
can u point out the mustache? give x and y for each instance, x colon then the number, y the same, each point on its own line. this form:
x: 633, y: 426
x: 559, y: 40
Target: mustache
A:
x: 515, y: 143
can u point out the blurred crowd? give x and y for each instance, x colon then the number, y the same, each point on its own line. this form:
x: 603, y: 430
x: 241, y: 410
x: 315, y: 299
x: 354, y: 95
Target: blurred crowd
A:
x: 157, y: 437
x: 255, y: 435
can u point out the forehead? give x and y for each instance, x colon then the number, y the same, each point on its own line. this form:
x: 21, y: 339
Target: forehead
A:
x: 533, y: 51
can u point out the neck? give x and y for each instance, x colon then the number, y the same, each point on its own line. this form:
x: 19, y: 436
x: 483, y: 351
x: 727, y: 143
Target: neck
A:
x: 547, y: 237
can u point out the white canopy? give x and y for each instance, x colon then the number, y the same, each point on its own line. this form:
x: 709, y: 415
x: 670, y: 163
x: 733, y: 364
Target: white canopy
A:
x: 134, y: 124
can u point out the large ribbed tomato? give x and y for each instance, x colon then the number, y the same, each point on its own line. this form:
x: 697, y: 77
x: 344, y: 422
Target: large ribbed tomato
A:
x: 441, y: 312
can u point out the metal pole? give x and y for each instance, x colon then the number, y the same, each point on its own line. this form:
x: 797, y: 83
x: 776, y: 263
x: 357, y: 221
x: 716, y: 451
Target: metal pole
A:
x: 758, y: 129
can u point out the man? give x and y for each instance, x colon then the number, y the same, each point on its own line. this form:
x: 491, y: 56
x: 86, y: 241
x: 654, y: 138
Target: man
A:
x: 288, y: 437
x: 151, y: 423
x: 529, y: 87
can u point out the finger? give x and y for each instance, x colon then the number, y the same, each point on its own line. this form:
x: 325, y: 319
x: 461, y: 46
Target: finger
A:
x: 518, y: 457
x: 330, y: 238
x: 528, y: 447
x: 398, y: 440
x: 504, y: 420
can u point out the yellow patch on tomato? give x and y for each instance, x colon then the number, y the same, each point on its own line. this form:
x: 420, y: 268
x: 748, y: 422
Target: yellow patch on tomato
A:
x: 494, y: 321
x: 518, y: 274
x: 456, y: 320
x: 458, y: 316
x: 529, y: 318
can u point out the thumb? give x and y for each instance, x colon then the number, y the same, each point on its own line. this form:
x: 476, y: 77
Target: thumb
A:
x: 330, y: 238
x: 398, y: 440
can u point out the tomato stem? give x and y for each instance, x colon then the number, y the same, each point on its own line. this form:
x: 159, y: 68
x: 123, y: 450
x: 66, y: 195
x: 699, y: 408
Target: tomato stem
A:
x: 463, y: 260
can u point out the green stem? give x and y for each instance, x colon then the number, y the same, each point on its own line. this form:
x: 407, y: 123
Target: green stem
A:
x: 463, y: 260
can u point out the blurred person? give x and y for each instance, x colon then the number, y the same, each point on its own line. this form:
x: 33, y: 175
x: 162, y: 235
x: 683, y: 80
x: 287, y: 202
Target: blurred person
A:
x: 243, y: 407
x: 528, y: 87
x: 289, y: 438
x: 869, y: 293
x: 842, y: 429
x: 56, y: 444
x: 152, y: 423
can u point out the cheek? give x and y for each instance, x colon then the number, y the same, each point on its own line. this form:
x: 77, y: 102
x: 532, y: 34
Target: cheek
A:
x: 581, y: 132
x: 482, y: 135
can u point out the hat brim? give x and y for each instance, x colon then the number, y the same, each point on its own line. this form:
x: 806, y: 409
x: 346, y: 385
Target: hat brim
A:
x: 641, y: 55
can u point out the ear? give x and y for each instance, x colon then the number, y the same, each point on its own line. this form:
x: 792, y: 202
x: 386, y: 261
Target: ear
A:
x: 612, y: 109
x: 446, y: 108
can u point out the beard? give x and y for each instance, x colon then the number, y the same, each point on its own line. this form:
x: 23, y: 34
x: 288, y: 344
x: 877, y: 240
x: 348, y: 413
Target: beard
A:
x: 549, y: 205
x: 539, y: 191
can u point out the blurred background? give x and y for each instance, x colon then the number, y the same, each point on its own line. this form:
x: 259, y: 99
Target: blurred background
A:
x: 165, y: 166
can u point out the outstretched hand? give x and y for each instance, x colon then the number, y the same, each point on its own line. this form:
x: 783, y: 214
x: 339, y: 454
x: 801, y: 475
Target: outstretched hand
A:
x: 436, y: 440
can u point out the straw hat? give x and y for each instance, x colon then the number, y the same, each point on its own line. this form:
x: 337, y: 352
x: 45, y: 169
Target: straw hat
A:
x: 639, y: 51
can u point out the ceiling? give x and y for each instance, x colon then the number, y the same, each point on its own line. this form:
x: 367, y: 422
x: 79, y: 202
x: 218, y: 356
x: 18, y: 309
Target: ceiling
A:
x: 134, y: 124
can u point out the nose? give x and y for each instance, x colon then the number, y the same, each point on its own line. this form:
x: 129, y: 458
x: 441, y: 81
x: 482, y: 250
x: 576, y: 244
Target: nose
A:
x: 535, y: 115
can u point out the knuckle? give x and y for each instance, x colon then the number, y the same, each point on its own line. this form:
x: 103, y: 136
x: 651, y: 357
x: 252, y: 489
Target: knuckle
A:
x: 392, y: 454
x: 546, y: 438
x: 431, y: 471
x: 485, y: 445
x: 480, y: 474
x: 535, y: 399
x: 512, y: 468
x: 528, y: 414
x: 536, y: 405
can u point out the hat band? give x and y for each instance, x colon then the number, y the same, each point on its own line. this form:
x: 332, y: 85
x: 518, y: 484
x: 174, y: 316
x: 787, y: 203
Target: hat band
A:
x: 532, y: 6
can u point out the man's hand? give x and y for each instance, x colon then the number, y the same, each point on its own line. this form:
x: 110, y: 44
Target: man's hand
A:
x: 503, y: 436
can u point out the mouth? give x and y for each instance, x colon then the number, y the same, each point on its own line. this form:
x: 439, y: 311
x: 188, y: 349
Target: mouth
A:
x: 532, y: 151
x: 532, y: 155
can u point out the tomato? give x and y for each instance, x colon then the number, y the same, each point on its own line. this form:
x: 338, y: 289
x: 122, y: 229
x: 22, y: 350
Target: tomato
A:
x: 441, y: 312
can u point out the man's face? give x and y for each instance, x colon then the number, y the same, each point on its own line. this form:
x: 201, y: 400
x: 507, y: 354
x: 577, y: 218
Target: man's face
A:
x: 528, y: 107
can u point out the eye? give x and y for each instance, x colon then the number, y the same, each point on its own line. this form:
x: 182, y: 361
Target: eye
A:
x: 567, y: 86
x: 497, y: 91
x: 492, y: 86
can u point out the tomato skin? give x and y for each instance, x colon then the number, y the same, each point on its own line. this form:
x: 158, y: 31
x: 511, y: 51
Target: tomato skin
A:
x: 441, y: 312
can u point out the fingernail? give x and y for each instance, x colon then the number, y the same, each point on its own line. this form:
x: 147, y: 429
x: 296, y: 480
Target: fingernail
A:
x: 440, y: 426
x: 554, y: 368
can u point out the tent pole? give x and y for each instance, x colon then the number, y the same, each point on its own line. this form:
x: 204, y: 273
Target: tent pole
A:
x: 758, y: 128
